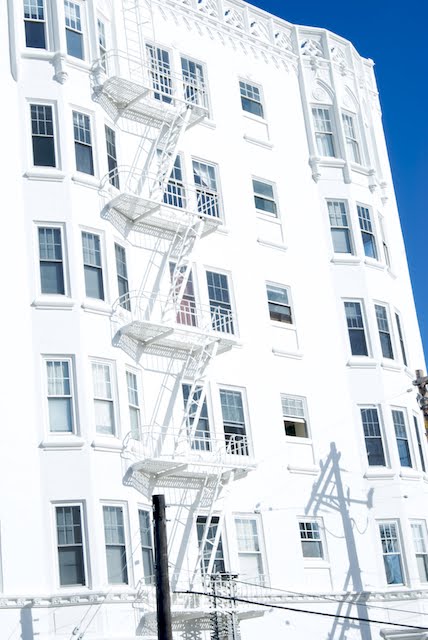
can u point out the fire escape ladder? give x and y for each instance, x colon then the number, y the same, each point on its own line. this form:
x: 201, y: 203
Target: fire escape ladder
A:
x: 135, y: 14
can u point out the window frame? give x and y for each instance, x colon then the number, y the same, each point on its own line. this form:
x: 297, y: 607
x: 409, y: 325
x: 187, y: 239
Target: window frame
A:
x: 352, y: 142
x: 320, y: 135
x: 64, y: 261
x: 164, y: 92
x: 227, y: 322
x: 83, y: 145
x: 313, y: 559
x: 424, y: 538
x: 217, y: 205
x: 401, y: 339
x: 131, y: 405
x: 348, y: 228
x: 114, y: 411
x: 85, y: 557
x: 34, y: 20
x: 407, y: 439
x: 381, y: 437
x: 238, y: 448
x: 222, y: 542
x: 366, y: 232
x: 261, y: 553
x: 128, y: 552
x: 124, y: 302
x: 82, y: 32
x: 261, y: 212
x: 382, y: 332
x: 69, y: 359
x: 101, y: 268
x: 364, y: 327
x: 149, y: 580
x: 55, y: 139
x: 202, y: 436
x: 206, y: 101
x: 289, y: 417
x: 260, y: 102
x: 419, y: 441
x: 396, y: 524
x: 287, y: 290
x: 112, y: 161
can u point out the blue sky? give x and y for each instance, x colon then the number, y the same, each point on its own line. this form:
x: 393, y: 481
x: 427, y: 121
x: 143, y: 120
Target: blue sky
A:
x: 393, y: 34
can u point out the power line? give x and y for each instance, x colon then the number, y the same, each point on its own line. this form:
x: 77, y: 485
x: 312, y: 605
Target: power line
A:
x: 315, y: 613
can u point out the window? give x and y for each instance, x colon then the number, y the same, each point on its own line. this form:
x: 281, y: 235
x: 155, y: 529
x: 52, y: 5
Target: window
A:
x: 42, y: 134
x: 310, y: 538
x: 134, y: 404
x: 249, y: 550
x: 220, y: 303
x: 60, y: 399
x: 367, y: 234
x: 401, y: 339
x: 419, y: 532
x: 235, y: 433
x: 264, y: 197
x: 73, y: 29
x: 402, y: 438
x: 384, y: 333
x: 251, y: 99
x: 82, y: 143
x: 352, y: 145
x: 278, y: 303
x: 186, y: 312
x: 194, y: 83
x: 146, y: 546
x: 92, y: 265
x: 160, y: 71
x: 35, y: 24
x: 51, y: 260
x: 391, y: 551
x: 70, y: 546
x: 373, y: 436
x: 419, y: 442
x: 339, y: 226
x: 324, y: 131
x: 384, y: 242
x: 114, y: 531
x: 103, y: 398
x: 294, y: 412
x: 356, y: 331
x: 122, y: 277
x: 218, y: 565
x: 207, y: 196
x: 102, y: 41
x: 175, y: 194
x: 201, y: 432
x: 113, y: 174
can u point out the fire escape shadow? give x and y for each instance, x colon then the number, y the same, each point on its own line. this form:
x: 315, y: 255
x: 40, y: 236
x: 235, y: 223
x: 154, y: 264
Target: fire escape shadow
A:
x: 328, y: 491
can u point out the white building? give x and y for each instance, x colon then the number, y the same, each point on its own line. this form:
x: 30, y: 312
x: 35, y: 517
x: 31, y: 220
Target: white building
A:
x: 212, y: 303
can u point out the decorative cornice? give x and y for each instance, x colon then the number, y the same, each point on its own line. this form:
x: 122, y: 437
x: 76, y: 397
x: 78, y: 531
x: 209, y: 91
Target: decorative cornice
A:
x: 67, y: 600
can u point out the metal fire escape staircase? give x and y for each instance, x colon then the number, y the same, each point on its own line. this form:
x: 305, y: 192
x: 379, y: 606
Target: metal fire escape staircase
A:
x: 144, y: 98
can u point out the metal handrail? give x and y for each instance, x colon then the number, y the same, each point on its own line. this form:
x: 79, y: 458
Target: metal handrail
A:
x: 176, y: 194
x: 163, y: 84
x: 186, y: 313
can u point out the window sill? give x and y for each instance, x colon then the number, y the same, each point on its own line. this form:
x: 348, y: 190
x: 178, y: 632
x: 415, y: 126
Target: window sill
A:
x: 361, y: 362
x: 86, y: 180
x: 33, y: 53
x: 379, y: 473
x: 208, y: 123
x: 107, y: 443
x: 410, y: 474
x: 62, y: 443
x: 78, y: 63
x: 53, y: 301
x: 325, y: 161
x: 390, y: 365
x: 360, y: 168
x: 295, y: 355
x: 93, y: 305
x: 272, y: 245
x: 48, y: 174
x: 260, y: 143
x: 268, y: 217
x: 345, y: 259
x: 305, y: 471
x: 375, y: 264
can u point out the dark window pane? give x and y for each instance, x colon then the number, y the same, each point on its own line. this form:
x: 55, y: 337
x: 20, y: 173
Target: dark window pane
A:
x: 43, y: 151
x: 385, y: 341
x: 52, y: 277
x: 265, y: 205
x: 35, y: 35
x: 71, y: 566
x: 252, y: 107
x: 394, y: 572
x: 341, y: 241
x: 84, y: 160
x: 94, y: 282
x: 74, y: 44
x: 116, y: 564
x: 375, y: 453
x: 358, y: 342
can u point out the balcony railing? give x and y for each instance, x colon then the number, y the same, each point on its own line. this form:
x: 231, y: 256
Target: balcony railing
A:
x: 143, y: 91
x: 144, y: 197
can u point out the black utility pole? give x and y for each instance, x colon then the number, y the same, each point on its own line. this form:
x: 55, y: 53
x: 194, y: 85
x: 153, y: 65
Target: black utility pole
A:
x: 163, y: 594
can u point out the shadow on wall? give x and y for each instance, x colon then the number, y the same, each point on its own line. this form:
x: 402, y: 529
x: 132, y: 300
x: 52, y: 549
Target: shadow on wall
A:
x: 27, y: 630
x: 328, y: 492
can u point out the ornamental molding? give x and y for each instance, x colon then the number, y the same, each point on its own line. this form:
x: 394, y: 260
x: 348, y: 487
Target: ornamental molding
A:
x: 67, y: 600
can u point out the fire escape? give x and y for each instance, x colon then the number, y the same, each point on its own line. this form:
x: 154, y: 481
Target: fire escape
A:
x: 148, y: 199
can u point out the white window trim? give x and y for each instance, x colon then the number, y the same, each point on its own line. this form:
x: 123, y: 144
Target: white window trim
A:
x: 392, y: 332
x: 343, y: 256
x: 34, y: 169
x: 205, y: 73
x: 128, y: 549
x: 337, y: 157
x: 32, y: 52
x: 59, y: 298
x: 205, y: 295
x: 220, y: 422
x: 292, y: 326
x: 80, y: 176
x: 85, y: 24
x: 75, y: 416
x: 355, y: 358
x: 248, y: 114
x: 271, y: 217
x: 85, y: 537
x: 115, y: 399
x: 357, y: 139
x: 261, y: 540
x: 396, y: 313
x: 186, y: 172
x: 410, y: 440
x: 95, y: 303
x: 373, y: 468
x: 402, y: 554
x: 374, y: 233
x: 423, y: 523
x: 308, y: 438
x: 203, y: 513
x: 311, y: 562
x: 141, y: 403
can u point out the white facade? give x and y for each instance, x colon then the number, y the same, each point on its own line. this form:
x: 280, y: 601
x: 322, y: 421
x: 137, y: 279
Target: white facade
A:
x: 289, y: 317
